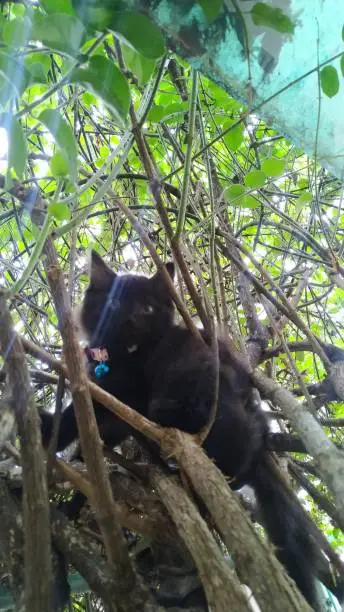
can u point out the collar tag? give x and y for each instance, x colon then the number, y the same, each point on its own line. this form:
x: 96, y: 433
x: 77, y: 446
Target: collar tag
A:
x: 98, y: 354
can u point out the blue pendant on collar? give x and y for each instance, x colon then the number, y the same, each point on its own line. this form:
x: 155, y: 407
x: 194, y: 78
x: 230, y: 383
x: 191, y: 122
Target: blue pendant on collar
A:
x: 101, y: 356
x: 101, y: 369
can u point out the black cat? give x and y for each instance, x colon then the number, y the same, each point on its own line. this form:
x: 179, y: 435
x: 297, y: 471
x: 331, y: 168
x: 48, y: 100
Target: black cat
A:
x: 161, y: 370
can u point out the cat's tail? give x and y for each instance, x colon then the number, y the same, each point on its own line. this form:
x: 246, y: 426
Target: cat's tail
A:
x: 290, y: 530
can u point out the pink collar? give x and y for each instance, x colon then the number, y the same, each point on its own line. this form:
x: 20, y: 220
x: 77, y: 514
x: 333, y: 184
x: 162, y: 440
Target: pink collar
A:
x: 97, y: 354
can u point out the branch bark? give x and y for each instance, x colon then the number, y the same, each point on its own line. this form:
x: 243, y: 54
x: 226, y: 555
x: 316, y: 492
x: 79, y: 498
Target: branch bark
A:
x: 218, y: 579
x: 254, y: 559
x: 37, y: 558
x: 329, y: 460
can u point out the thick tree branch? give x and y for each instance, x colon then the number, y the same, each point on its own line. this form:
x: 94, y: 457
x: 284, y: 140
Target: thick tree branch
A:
x: 219, y: 581
x: 38, y: 573
x: 329, y: 460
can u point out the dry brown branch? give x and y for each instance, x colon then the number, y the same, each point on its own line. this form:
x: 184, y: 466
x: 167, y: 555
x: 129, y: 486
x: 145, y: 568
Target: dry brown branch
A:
x: 136, y: 510
x: 329, y: 460
x: 11, y: 545
x: 219, y: 581
x: 84, y: 554
x: 37, y: 558
x: 254, y: 559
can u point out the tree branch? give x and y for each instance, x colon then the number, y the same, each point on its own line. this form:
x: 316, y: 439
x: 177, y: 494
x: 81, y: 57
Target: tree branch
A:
x: 38, y: 573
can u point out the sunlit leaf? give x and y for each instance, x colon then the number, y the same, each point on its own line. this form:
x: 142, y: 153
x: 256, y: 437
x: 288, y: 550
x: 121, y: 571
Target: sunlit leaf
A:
x: 59, y: 211
x: 273, y: 167
x: 104, y: 79
x: 249, y: 201
x: 255, y: 179
x: 38, y: 65
x: 17, y: 151
x: 18, y: 10
x: 16, y: 33
x: 59, y: 31
x: 14, y: 77
x: 58, y: 165
x: 305, y: 198
x: 60, y: 6
x: 156, y: 113
x: 235, y: 137
x: 235, y: 191
x: 142, y: 67
x: 64, y: 137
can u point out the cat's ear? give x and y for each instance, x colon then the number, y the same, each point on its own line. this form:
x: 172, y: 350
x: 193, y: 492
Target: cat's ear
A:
x: 101, y: 276
x: 170, y: 269
x: 158, y: 279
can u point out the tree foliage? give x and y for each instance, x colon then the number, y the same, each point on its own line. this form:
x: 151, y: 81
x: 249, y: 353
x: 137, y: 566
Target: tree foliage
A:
x: 76, y: 101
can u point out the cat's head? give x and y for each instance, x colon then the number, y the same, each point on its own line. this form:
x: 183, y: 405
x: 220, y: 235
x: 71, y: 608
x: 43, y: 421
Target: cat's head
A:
x: 124, y: 312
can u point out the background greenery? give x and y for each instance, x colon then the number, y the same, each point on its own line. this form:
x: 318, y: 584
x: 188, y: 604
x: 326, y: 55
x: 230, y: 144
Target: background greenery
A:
x: 65, y: 93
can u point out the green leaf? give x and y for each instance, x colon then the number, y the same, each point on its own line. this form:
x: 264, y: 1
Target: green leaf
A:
x: 211, y: 8
x: 255, y: 179
x: 264, y: 15
x: 62, y: 6
x: 234, y: 192
x: 16, y: 33
x: 329, y: 81
x: 38, y: 65
x: 343, y: 33
x: 60, y: 31
x: 104, y: 79
x: 18, y: 11
x: 305, y: 198
x: 59, y: 211
x: 173, y: 111
x: 303, y: 183
x: 64, y: 137
x: 235, y: 137
x: 342, y: 64
x: 273, y: 166
x: 156, y: 113
x: 88, y: 98
x: 58, y: 165
x: 14, y: 77
x: 98, y: 17
x: 142, y: 67
x: 249, y: 201
x: 141, y: 33
x: 17, y: 151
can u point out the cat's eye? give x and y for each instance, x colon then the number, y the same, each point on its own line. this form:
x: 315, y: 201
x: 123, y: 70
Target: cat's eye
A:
x: 147, y: 309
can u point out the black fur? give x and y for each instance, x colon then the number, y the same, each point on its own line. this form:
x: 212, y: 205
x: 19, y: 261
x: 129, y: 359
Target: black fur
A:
x: 163, y: 371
